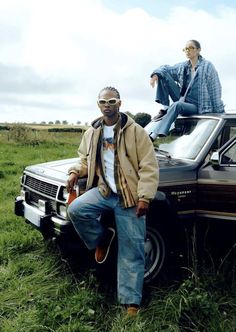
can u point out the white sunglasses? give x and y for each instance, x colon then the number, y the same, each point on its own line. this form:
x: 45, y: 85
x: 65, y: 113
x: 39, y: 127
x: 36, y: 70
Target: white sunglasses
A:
x: 111, y: 101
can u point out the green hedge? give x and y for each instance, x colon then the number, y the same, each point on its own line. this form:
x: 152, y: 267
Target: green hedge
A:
x: 4, y: 128
x: 77, y: 130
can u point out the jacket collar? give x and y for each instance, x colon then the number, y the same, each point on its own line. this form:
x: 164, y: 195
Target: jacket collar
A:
x: 123, y: 120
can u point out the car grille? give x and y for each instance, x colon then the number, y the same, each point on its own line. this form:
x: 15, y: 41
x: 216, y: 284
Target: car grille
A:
x: 41, y: 187
x: 34, y: 198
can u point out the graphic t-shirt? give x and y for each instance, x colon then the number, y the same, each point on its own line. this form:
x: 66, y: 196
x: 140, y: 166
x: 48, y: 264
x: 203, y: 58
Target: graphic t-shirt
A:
x: 108, y: 154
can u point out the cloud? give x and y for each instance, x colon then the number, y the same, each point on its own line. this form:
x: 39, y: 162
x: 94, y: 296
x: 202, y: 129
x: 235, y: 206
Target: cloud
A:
x: 21, y: 79
x: 57, y: 55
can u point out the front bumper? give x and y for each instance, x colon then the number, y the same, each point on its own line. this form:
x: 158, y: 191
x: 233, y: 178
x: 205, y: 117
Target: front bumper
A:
x: 48, y: 224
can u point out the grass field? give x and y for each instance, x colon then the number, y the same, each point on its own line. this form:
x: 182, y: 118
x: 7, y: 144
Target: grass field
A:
x: 40, y: 292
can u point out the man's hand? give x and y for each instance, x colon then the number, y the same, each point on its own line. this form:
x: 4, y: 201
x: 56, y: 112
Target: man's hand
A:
x: 153, y: 80
x: 142, y: 208
x: 71, y: 182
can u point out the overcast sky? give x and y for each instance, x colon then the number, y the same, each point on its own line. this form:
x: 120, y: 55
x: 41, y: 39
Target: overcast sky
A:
x: 56, y: 55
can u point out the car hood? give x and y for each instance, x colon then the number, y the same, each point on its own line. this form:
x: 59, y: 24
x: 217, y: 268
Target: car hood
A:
x: 174, y: 170
x: 54, y: 170
x: 170, y: 169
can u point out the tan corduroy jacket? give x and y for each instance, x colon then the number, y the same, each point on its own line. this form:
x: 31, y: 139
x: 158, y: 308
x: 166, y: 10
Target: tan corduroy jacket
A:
x: 136, y: 167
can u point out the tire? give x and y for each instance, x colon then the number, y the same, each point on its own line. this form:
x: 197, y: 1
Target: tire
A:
x: 155, y: 253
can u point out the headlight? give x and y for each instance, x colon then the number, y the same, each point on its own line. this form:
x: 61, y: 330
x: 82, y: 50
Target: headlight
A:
x: 62, y: 211
x: 68, y: 197
x: 65, y: 194
x: 22, y: 180
x: 22, y: 194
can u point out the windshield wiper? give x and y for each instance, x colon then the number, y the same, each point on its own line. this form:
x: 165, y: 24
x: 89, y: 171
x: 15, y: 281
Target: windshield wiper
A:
x: 163, y: 152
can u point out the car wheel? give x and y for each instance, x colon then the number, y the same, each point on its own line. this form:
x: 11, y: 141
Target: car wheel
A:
x: 155, y: 253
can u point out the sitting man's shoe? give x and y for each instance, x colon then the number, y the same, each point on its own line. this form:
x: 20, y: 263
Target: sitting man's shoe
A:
x: 103, y: 248
x: 132, y: 309
x: 161, y: 135
x: 160, y: 115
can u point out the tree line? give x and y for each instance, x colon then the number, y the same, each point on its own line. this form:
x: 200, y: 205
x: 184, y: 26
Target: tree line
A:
x: 141, y: 118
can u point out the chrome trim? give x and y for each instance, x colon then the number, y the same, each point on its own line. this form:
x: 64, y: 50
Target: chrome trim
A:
x: 176, y: 183
x: 42, y: 178
x: 209, y: 214
x: 61, y: 222
x: 217, y: 215
x: 186, y: 212
x: 228, y: 182
x: 46, y: 180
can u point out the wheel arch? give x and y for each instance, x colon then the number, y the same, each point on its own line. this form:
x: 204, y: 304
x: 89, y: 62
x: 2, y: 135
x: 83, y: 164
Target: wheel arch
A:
x: 161, y: 221
x: 160, y: 211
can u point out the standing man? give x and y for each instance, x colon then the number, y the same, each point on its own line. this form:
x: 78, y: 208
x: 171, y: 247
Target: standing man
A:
x: 118, y: 158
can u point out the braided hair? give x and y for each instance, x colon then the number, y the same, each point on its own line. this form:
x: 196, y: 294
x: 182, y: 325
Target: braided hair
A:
x: 110, y: 88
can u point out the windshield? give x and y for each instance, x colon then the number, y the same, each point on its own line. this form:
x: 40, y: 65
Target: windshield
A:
x: 187, y: 136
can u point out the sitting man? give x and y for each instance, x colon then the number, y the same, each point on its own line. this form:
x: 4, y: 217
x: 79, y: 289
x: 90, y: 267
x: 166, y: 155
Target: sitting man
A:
x: 193, y: 86
x: 119, y: 161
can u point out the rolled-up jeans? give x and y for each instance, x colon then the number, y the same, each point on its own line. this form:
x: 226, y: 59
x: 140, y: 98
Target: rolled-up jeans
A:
x: 85, y: 212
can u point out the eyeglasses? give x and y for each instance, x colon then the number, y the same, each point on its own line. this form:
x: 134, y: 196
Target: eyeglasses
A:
x: 111, y: 101
x: 190, y: 48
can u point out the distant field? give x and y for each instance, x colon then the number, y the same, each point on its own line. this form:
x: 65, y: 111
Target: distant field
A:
x: 44, y: 126
x: 36, y: 134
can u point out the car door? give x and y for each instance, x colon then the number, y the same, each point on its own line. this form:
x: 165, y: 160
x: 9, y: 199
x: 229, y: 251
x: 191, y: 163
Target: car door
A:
x: 216, y: 192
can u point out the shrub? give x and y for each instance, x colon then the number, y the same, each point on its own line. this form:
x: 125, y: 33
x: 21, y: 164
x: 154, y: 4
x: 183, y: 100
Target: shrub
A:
x: 4, y: 128
x: 22, y: 134
x: 66, y: 130
x: 142, y: 119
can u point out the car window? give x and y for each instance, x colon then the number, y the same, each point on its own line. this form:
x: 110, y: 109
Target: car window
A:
x: 228, y: 131
x: 229, y: 156
x: 232, y: 131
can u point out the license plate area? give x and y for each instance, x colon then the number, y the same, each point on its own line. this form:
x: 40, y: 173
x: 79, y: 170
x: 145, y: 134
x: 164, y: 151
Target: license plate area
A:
x: 33, y: 215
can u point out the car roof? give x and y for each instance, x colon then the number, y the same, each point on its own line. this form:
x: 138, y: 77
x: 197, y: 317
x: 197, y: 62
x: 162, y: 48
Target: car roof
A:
x: 226, y: 115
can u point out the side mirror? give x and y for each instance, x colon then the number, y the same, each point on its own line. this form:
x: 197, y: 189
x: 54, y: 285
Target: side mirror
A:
x: 215, y: 160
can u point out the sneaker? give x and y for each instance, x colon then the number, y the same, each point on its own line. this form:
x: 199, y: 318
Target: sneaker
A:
x: 132, y: 310
x: 161, y: 135
x: 103, y: 248
x: 160, y: 115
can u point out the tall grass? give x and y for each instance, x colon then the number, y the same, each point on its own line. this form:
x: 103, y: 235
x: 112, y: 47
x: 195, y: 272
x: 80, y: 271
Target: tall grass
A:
x: 39, y: 291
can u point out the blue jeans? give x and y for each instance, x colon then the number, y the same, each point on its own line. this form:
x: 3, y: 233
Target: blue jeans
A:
x: 85, y: 212
x: 166, y: 88
x: 178, y: 107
